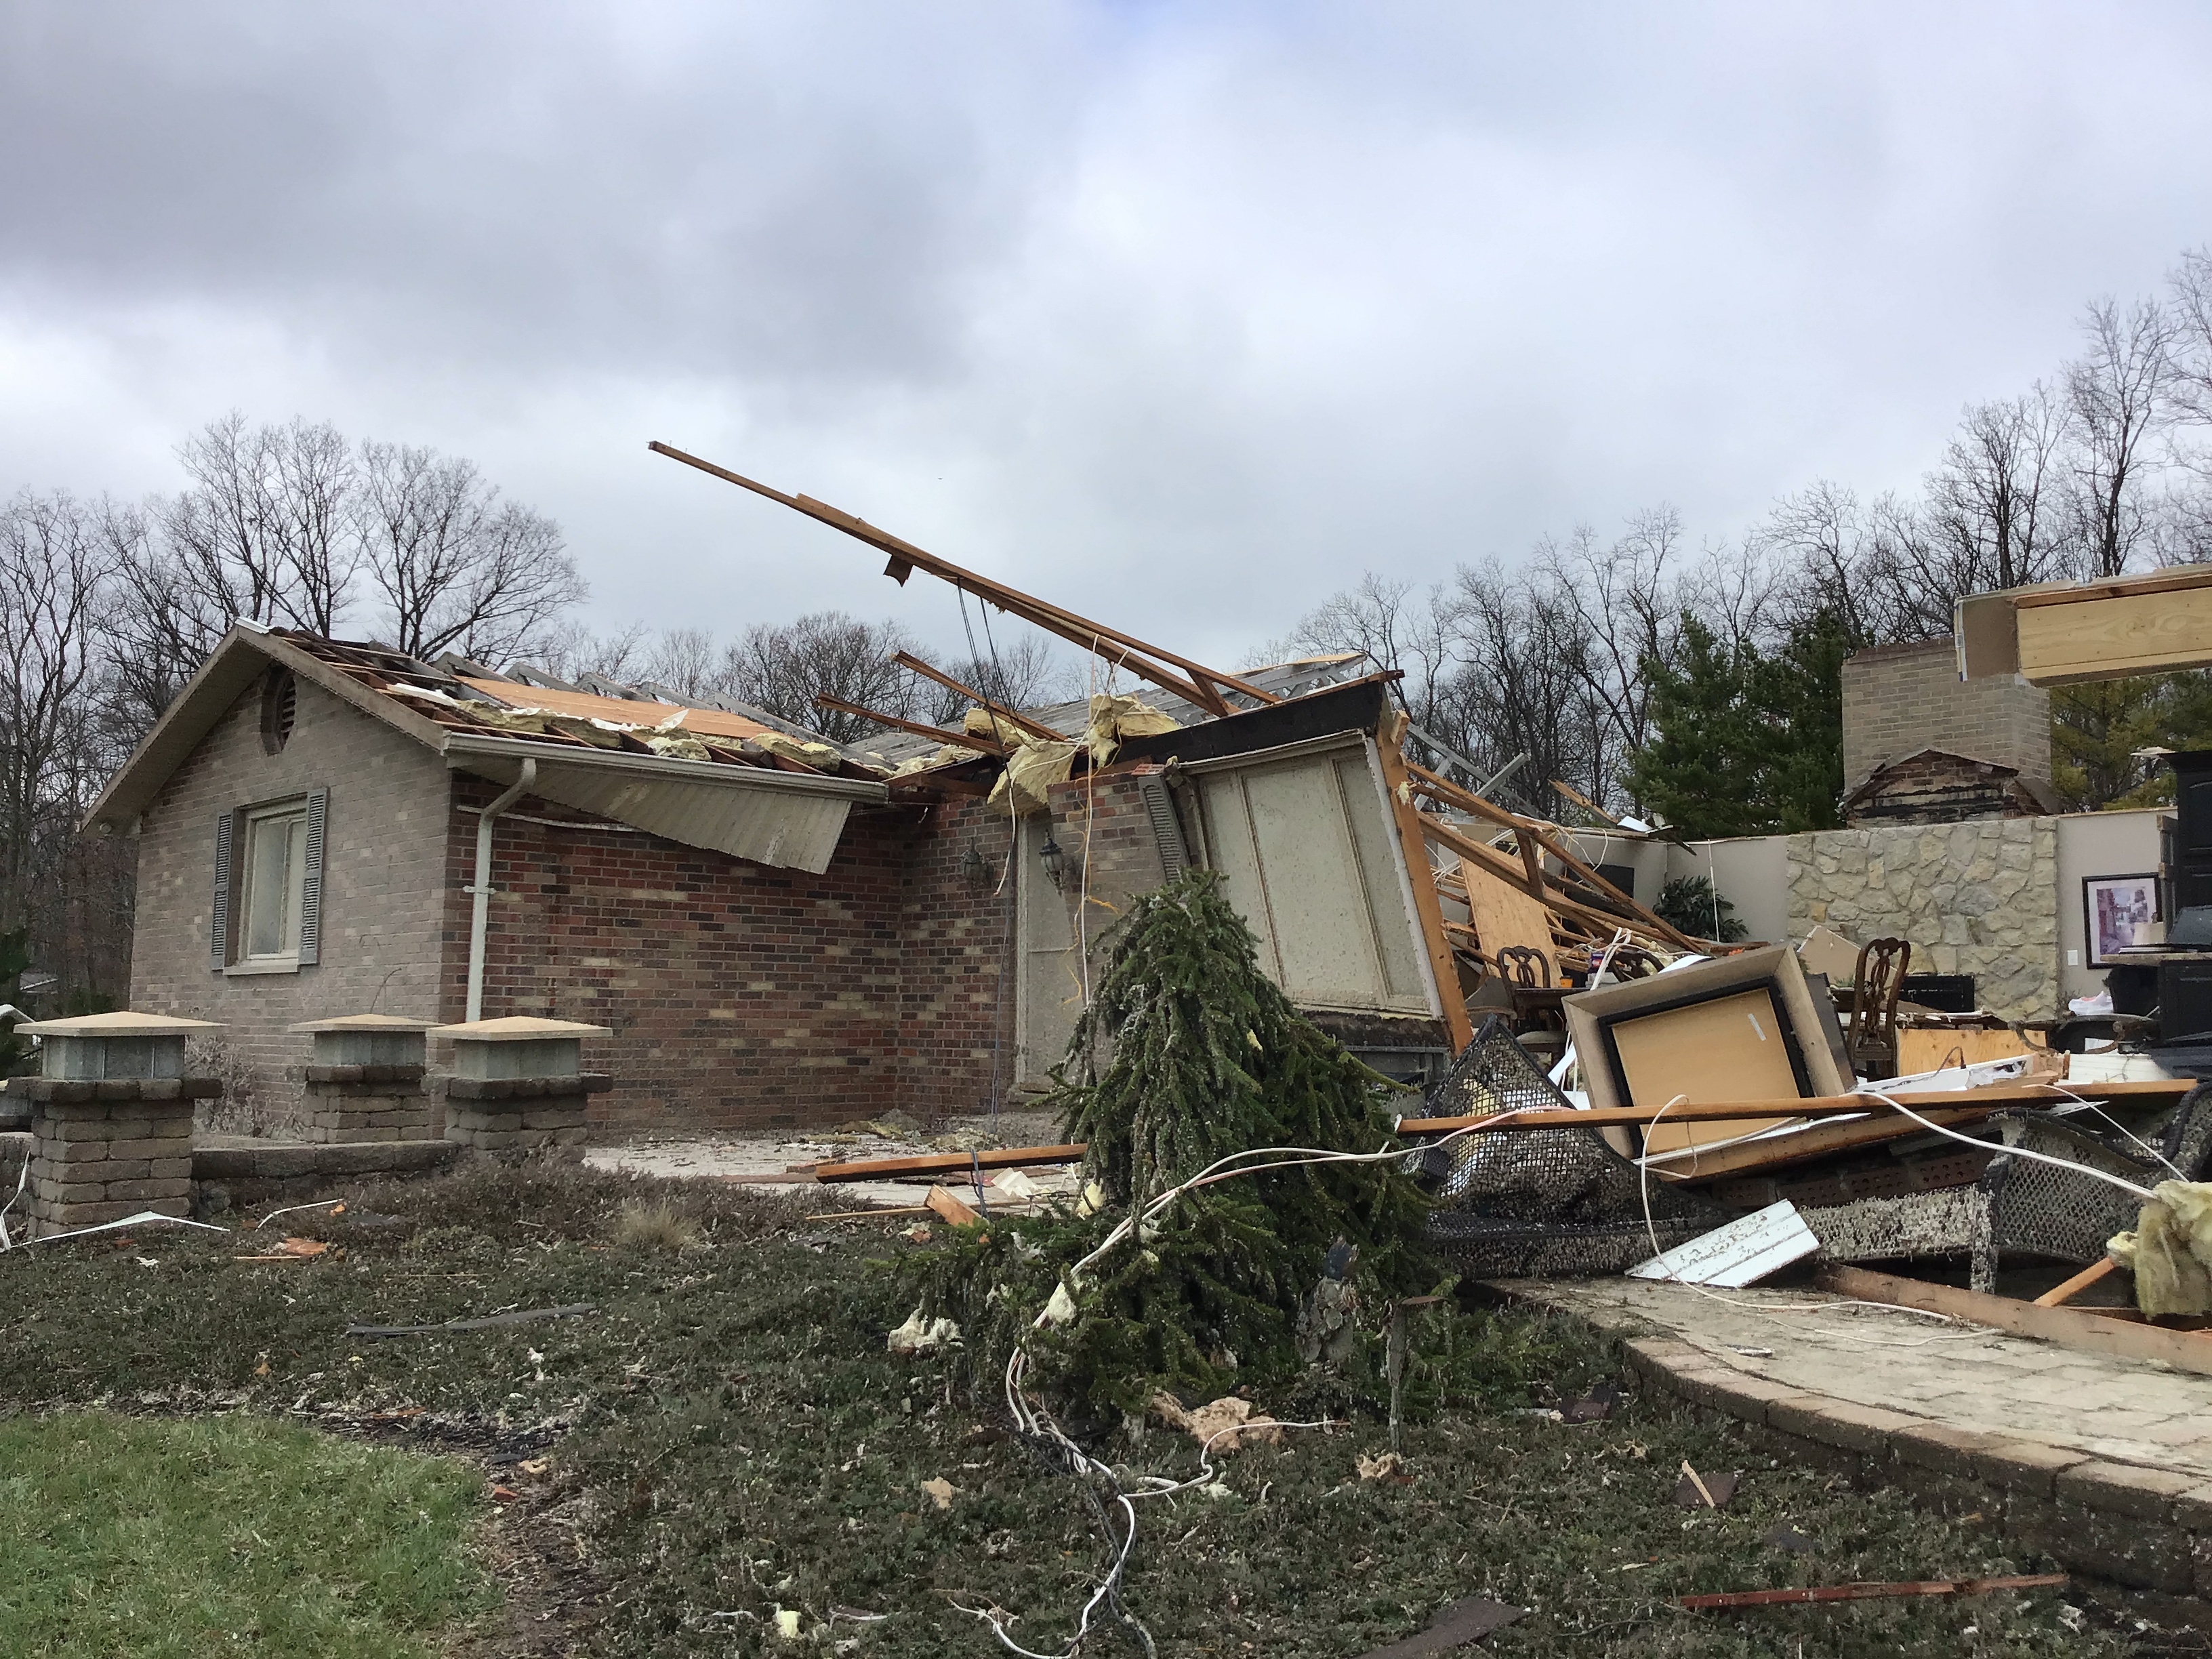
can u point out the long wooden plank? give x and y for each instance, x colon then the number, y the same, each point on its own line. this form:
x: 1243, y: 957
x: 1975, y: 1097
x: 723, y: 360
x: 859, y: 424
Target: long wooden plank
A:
x: 1019, y: 722
x: 1420, y: 875
x: 2059, y: 1295
x: 2171, y: 579
x: 1994, y: 1096
x: 1079, y: 630
x: 1489, y: 859
x: 939, y: 1164
x: 959, y: 740
x: 1819, y: 1140
x: 2069, y: 1328
x: 1774, y: 1598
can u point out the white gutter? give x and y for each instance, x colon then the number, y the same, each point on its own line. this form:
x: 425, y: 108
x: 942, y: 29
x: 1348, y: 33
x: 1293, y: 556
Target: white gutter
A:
x: 481, y: 893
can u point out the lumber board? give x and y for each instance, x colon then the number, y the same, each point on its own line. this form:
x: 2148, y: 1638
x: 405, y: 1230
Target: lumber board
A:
x: 1421, y: 876
x: 939, y: 1163
x: 1204, y: 687
x: 1776, y: 1598
x: 1994, y: 1096
x: 958, y: 739
x: 2136, y: 633
x: 1019, y: 722
x: 948, y: 1205
x: 2059, y: 1295
x: 2171, y: 579
x: 2069, y: 1327
x: 1491, y: 860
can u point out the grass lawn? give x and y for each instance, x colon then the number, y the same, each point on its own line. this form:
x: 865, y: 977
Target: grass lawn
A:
x: 151, y: 1538
x: 725, y: 1436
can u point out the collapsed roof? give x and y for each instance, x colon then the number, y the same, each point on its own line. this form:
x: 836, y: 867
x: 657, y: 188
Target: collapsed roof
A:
x: 704, y: 777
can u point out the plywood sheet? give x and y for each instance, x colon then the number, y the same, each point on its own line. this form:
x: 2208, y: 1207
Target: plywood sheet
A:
x: 1728, y: 1049
x: 1919, y: 1051
x: 1503, y: 915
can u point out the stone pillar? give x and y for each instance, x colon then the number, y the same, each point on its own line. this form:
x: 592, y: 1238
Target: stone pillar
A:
x: 364, y: 1078
x: 518, y: 1085
x: 112, y: 1118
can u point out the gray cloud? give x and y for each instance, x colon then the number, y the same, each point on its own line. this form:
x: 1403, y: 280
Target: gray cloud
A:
x: 1182, y: 315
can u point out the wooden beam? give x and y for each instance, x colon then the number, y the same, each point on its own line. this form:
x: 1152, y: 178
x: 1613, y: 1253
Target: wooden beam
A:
x: 945, y: 1163
x: 1497, y: 864
x: 1773, y: 1598
x: 1993, y: 1096
x: 1585, y: 803
x: 2111, y: 637
x: 1204, y: 685
x: 958, y: 739
x: 2069, y: 1327
x: 2058, y: 1295
x: 1821, y: 1141
x: 1421, y: 877
x: 1019, y: 722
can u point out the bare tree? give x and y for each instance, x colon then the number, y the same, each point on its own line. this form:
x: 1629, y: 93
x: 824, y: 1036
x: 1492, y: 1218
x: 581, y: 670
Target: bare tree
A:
x: 571, y: 649
x: 1624, y: 601
x: 1395, y: 626
x: 54, y: 577
x: 456, y: 567
x: 2119, y: 396
x: 263, y: 532
x: 1995, y: 508
x: 783, y: 668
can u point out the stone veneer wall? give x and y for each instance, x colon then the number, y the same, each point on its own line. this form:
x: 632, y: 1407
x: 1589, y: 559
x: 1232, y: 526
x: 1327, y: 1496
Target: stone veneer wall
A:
x: 1980, y: 898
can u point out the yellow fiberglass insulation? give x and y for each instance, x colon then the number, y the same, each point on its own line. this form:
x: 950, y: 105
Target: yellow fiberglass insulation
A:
x: 1030, y: 771
x: 818, y: 755
x: 2170, y: 1252
x: 1113, y: 720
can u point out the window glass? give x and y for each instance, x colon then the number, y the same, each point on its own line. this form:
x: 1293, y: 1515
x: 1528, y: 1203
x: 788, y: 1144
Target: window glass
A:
x: 276, y: 868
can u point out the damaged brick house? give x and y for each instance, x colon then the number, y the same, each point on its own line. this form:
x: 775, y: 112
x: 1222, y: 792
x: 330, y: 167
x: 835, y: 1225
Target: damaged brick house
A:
x: 776, y: 931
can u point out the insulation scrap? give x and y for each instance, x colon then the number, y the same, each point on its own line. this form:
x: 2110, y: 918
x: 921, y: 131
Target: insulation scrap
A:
x: 1031, y: 769
x: 820, y: 755
x: 1226, y: 1425
x: 1115, y: 719
x: 2170, y: 1252
x: 681, y: 748
x: 946, y: 754
x: 919, y: 1335
x: 982, y: 723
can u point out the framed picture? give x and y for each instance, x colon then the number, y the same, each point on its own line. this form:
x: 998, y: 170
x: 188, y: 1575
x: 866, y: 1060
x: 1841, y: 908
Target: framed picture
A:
x: 2117, y: 912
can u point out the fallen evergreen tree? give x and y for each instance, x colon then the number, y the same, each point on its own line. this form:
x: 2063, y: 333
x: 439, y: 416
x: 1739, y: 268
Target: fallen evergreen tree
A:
x: 1205, y: 1057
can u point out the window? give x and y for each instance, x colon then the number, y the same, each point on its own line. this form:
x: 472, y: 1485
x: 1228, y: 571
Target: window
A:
x: 269, y: 886
x: 275, y: 871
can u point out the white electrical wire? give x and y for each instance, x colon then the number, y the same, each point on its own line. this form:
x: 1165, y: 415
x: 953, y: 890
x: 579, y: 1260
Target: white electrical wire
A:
x: 1035, y: 1423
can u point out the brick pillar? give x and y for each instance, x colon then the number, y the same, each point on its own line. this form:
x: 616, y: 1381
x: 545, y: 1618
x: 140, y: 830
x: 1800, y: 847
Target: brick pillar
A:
x: 101, y: 1150
x: 518, y: 1085
x: 514, y: 1115
x: 364, y: 1078
x: 366, y: 1103
x: 112, y: 1117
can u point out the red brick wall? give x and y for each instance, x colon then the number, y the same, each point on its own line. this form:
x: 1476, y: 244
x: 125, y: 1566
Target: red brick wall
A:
x: 1113, y: 854
x: 956, y: 989
x: 742, y: 996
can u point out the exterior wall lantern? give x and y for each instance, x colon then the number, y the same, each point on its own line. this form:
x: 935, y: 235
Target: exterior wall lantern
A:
x: 1055, y: 861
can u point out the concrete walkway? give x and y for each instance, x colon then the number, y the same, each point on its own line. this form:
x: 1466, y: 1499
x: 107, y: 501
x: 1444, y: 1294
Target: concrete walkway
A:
x: 2128, y: 1411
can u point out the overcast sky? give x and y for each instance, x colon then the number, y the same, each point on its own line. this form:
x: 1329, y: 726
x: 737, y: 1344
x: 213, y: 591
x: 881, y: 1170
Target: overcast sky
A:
x: 1182, y: 315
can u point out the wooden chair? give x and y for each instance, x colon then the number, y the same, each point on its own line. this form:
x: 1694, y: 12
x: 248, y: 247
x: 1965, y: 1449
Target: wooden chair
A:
x: 1523, y: 964
x: 1537, y: 1021
x: 1632, y: 962
x: 1875, y: 984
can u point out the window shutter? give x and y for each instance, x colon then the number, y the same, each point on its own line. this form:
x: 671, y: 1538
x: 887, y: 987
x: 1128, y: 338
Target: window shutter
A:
x: 226, y: 827
x: 311, y: 882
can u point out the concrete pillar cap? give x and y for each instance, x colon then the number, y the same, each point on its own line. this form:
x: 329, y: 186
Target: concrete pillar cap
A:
x: 119, y: 1025
x: 519, y: 1028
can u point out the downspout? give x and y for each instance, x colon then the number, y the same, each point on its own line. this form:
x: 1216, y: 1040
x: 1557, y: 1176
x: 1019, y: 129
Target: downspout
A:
x: 480, y: 891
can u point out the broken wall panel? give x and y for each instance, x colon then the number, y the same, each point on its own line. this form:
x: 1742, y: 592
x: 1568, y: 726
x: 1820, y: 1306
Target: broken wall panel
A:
x: 1309, y: 858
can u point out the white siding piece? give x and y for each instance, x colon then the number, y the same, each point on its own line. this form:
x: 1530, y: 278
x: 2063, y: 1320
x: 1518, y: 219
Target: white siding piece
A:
x: 768, y: 826
x: 1742, y: 1253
